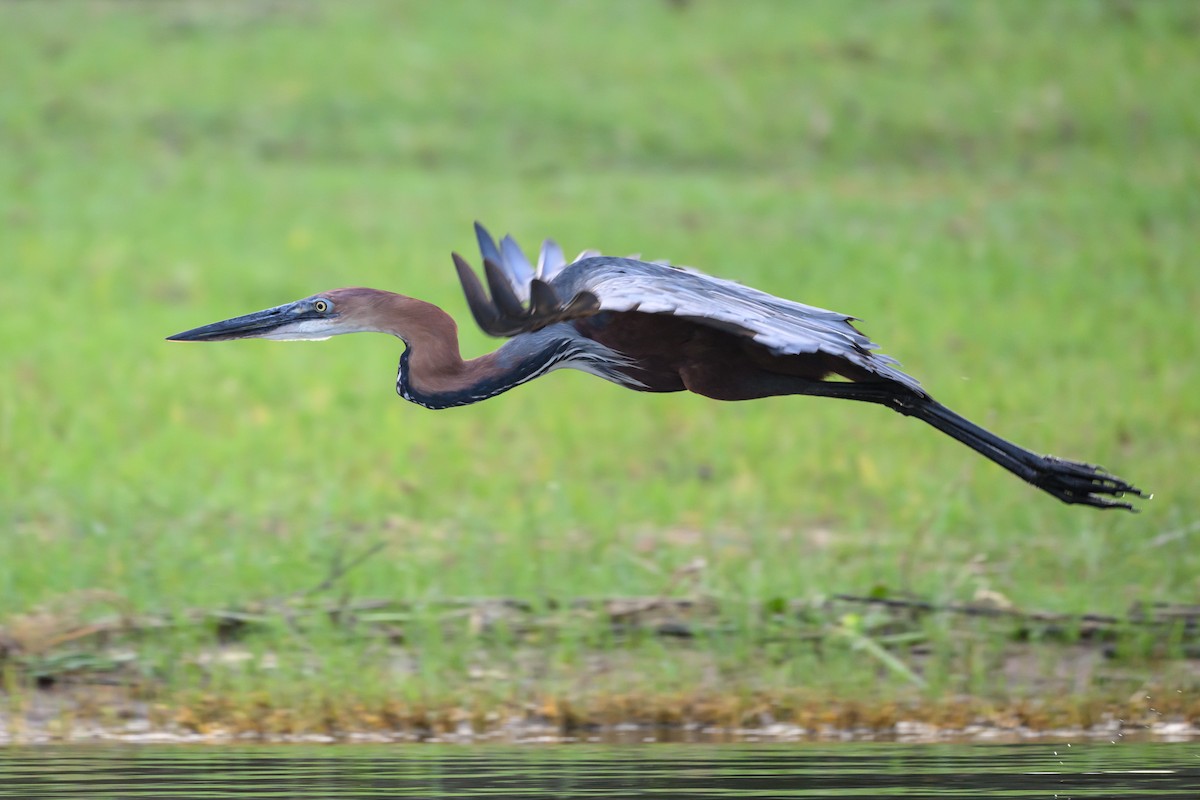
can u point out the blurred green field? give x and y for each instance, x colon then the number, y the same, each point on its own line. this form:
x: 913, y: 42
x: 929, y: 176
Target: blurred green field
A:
x: 1007, y: 193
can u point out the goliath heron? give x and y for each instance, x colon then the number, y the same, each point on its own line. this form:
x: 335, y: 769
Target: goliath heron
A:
x: 647, y: 326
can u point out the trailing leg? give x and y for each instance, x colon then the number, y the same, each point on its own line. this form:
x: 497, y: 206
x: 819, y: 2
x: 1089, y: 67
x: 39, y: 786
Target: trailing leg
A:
x: 1069, y: 481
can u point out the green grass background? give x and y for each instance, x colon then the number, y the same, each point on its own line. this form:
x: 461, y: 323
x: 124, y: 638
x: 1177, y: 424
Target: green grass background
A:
x: 1006, y: 192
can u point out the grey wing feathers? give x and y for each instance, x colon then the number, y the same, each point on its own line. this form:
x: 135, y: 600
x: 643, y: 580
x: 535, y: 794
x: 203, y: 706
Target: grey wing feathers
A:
x: 593, y: 283
x: 550, y: 260
x: 515, y: 267
x: 521, y: 298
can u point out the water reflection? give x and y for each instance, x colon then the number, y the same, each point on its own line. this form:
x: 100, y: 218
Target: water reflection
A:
x: 692, y: 771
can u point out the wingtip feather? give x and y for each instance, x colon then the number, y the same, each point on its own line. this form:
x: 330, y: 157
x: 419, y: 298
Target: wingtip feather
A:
x: 550, y: 260
x: 487, y: 245
x: 485, y: 313
x: 515, y: 262
x: 502, y: 292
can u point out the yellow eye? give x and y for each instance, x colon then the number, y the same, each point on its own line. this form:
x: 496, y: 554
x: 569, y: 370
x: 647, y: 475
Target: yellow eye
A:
x: 321, y: 306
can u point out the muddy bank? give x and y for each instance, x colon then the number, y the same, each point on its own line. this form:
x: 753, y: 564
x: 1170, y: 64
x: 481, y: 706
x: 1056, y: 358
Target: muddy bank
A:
x: 114, y: 715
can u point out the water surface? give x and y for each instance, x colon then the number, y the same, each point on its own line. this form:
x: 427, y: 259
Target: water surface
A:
x: 569, y: 771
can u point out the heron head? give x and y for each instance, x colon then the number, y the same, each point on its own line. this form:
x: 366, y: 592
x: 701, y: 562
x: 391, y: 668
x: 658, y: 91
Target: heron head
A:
x: 313, y: 319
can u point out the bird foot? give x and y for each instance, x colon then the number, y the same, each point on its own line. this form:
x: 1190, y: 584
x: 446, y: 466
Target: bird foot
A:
x: 1083, y: 484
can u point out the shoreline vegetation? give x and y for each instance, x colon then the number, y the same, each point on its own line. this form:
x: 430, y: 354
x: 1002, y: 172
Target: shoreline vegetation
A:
x: 261, y: 540
x: 1077, y: 676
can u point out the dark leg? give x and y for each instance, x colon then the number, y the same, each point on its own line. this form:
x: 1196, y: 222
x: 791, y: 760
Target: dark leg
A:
x: 1069, y: 481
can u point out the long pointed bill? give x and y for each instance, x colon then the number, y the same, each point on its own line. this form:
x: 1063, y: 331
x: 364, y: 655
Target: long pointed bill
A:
x: 282, y: 322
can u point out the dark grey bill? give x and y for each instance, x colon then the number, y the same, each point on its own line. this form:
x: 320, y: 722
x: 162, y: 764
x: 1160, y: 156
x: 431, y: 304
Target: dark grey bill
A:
x: 248, y: 325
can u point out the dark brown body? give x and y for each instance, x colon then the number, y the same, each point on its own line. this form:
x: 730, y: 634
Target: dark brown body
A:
x: 674, y: 355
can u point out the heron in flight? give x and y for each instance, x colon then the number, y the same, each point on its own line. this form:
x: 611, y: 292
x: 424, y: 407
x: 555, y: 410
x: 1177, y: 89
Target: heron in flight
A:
x: 650, y: 327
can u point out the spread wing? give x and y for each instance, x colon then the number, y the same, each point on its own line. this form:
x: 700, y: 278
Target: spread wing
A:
x: 525, y: 298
